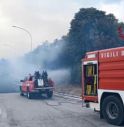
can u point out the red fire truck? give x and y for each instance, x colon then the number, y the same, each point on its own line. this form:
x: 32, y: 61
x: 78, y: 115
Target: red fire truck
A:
x: 103, y: 82
x: 30, y: 89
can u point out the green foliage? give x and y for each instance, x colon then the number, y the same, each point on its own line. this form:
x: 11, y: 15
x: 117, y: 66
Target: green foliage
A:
x: 90, y: 30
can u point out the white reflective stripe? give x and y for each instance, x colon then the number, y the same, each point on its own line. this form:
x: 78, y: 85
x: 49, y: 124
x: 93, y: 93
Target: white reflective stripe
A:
x: 120, y: 92
x: 89, y: 62
x: 91, y: 55
x: 40, y: 82
x: 45, y: 88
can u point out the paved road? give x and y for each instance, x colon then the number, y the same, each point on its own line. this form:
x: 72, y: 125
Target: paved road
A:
x: 17, y: 111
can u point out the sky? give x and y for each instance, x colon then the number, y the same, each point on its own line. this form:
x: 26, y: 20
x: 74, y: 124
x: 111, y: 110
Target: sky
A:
x: 44, y: 20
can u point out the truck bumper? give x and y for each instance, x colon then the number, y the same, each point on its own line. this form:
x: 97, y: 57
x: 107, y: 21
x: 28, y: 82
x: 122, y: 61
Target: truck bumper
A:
x: 42, y: 90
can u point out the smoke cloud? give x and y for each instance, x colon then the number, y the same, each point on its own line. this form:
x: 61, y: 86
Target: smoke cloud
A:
x: 61, y: 76
x: 42, y: 58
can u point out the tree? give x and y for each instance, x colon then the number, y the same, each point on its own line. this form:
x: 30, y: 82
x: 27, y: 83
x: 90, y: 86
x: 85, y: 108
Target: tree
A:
x: 90, y: 30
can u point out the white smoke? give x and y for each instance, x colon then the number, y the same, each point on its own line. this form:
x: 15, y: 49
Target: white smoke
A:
x: 60, y: 77
x: 16, y: 69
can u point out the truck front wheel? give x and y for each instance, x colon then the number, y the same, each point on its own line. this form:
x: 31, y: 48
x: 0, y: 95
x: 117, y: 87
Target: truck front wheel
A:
x: 29, y: 95
x: 21, y: 92
x: 113, y: 110
x: 49, y: 94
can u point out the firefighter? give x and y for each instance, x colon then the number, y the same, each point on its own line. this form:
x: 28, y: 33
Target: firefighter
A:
x: 37, y: 76
x: 45, y: 78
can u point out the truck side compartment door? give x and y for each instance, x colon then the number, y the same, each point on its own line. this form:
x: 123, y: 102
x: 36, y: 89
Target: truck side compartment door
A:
x: 90, y: 78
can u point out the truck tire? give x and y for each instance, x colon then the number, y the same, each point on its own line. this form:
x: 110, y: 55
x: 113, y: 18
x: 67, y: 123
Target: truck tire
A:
x: 29, y: 95
x: 113, y: 110
x: 49, y: 94
x: 21, y: 92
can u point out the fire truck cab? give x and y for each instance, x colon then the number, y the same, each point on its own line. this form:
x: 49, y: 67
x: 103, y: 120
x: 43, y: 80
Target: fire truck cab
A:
x: 103, y: 82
